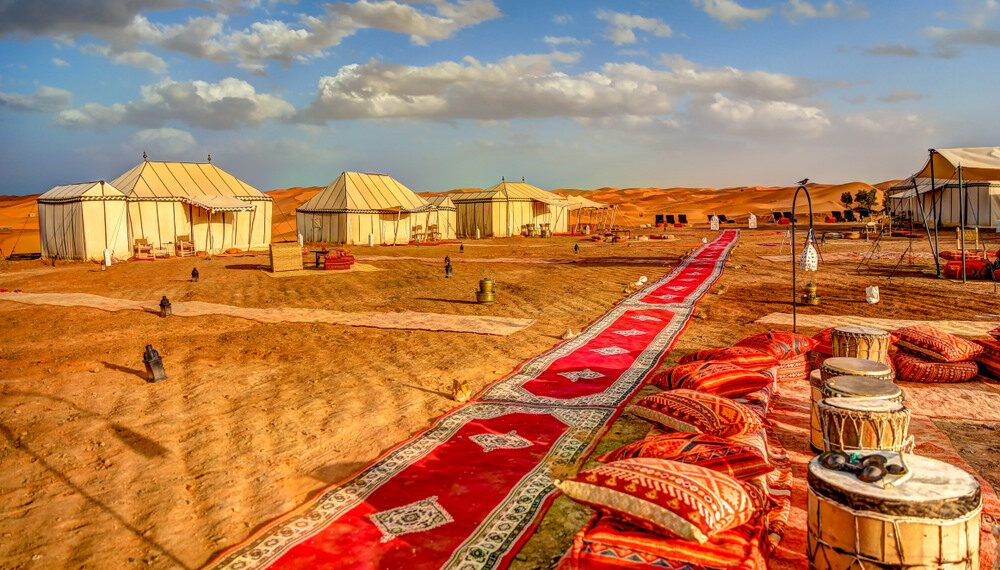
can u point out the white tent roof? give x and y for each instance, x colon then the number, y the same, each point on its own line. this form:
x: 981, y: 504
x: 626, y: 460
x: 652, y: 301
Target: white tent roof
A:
x: 70, y: 192
x: 979, y: 164
x: 517, y: 191
x: 441, y: 202
x: 364, y: 192
x: 165, y: 180
x: 580, y: 203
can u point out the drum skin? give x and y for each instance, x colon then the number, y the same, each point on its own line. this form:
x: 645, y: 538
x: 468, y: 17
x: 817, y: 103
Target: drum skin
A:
x: 929, y: 521
x: 844, y: 386
x: 844, y: 366
x: 861, y: 342
x: 863, y: 424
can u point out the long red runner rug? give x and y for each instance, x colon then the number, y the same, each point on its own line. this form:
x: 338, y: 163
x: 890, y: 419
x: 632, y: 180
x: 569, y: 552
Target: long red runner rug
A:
x: 467, y: 492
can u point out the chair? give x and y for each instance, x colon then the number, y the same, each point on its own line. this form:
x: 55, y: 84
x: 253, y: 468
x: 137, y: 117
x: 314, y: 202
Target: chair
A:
x: 723, y: 219
x: 184, y: 247
x: 838, y: 217
x: 682, y: 219
x: 432, y: 233
x: 971, y: 238
x: 658, y: 220
x: 142, y: 249
x: 864, y: 213
x: 776, y: 216
x: 417, y: 234
x: 668, y: 219
x: 849, y: 216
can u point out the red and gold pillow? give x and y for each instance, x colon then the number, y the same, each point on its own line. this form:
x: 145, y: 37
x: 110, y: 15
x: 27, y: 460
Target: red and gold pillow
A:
x: 710, y: 377
x: 794, y: 368
x: 912, y: 368
x: 742, y: 356
x: 779, y: 344
x: 694, y: 412
x: 824, y: 342
x: 936, y: 345
x: 991, y: 347
x: 711, y: 452
x: 668, y: 497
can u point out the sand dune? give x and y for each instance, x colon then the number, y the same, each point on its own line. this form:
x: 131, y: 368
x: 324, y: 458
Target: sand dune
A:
x: 19, y: 221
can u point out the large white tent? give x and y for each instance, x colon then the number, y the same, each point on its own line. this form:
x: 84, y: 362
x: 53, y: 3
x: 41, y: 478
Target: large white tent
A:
x: 934, y: 191
x: 504, y: 209
x: 80, y: 221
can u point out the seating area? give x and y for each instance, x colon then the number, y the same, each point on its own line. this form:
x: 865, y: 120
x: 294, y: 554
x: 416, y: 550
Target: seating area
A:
x: 142, y: 249
x: 671, y: 220
x: 184, y: 247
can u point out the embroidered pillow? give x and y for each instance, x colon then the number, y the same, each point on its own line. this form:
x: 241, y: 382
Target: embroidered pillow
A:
x: 710, y: 377
x: 824, y: 342
x: 936, y: 345
x: 794, y: 368
x: 742, y: 356
x: 694, y: 412
x: 779, y: 344
x: 989, y: 365
x: 912, y: 368
x: 708, y: 451
x: 991, y: 347
x: 668, y: 497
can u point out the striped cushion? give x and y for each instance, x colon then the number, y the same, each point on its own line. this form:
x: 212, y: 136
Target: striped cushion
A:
x: 721, y: 378
x: 931, y: 343
x: 743, y: 356
x: 794, y: 368
x: 779, y: 344
x: 913, y: 368
x: 690, y: 411
x: 708, y: 451
x: 669, y: 497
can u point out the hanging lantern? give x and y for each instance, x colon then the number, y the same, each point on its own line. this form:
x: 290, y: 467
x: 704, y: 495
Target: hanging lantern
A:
x: 810, y: 257
x: 165, y: 309
x: 154, y: 365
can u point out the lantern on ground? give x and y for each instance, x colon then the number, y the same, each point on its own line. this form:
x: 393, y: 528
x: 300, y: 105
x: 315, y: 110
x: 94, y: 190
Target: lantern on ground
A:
x: 487, y: 291
x: 165, y: 309
x: 752, y: 222
x: 447, y: 267
x: 461, y: 248
x: 154, y: 365
x: 576, y: 248
x: 194, y: 275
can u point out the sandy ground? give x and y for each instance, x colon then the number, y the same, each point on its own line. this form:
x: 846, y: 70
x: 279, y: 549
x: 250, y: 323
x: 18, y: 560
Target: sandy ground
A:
x: 100, y: 469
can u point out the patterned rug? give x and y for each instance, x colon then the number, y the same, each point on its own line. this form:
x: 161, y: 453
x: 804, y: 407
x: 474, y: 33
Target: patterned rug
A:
x: 467, y: 492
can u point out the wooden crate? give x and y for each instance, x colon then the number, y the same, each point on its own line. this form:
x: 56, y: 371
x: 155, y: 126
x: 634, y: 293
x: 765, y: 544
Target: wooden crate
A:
x: 286, y: 257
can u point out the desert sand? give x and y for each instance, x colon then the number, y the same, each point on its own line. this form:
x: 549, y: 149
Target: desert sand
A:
x: 101, y: 469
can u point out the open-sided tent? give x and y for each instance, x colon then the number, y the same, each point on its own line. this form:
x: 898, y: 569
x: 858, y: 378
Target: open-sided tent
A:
x: 501, y: 211
x: 80, y: 221
x: 443, y: 215
x: 216, y: 210
x: 581, y: 205
x: 934, y: 193
x: 357, y: 204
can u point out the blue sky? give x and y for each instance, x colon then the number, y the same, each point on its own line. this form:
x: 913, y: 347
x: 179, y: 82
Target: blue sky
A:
x: 456, y: 93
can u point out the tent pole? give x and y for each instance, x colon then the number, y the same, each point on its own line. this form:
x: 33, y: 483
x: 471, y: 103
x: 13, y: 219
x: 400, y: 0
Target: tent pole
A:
x: 104, y: 207
x: 923, y: 214
x: 961, y: 220
x: 937, y: 218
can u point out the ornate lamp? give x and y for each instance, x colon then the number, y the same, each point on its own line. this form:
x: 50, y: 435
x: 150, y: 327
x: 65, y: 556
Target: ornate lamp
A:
x: 809, y: 260
x: 487, y: 291
x: 154, y: 364
x: 165, y: 309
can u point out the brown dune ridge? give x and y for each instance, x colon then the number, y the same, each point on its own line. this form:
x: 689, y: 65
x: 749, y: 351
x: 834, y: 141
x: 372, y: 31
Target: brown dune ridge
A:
x: 19, y: 220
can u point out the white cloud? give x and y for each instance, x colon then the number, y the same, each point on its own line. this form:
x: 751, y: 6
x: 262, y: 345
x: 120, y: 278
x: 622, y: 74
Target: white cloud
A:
x: 887, y: 122
x: 802, y: 10
x: 761, y: 117
x: 228, y: 104
x: 164, y: 141
x: 621, y: 26
x: 899, y: 95
x: 731, y: 13
x: 139, y: 58
x: 562, y: 19
x: 45, y: 99
x: 565, y: 40
x: 59, y: 62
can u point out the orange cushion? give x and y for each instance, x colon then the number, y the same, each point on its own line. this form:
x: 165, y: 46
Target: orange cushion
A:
x: 912, y: 368
x: 691, y: 411
x: 743, y: 356
x: 824, y: 342
x: 779, y: 344
x: 708, y: 451
x: 711, y: 377
x: 794, y: 368
x: 931, y: 343
x: 669, y: 497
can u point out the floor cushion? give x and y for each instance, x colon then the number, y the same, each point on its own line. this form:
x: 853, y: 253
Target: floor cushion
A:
x: 794, y: 368
x: 669, y: 497
x: 995, y: 333
x: 779, y: 344
x: 743, y: 356
x: 710, y: 377
x: 913, y: 368
x: 690, y: 411
x: 737, y: 460
x: 824, y: 342
x: 931, y: 343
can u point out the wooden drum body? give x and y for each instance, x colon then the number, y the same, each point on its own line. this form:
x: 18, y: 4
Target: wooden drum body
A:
x: 847, y: 386
x: 861, y: 342
x: 931, y: 520
x: 863, y: 424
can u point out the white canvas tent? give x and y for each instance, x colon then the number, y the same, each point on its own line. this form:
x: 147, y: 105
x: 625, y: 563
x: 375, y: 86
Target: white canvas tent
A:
x: 581, y: 204
x: 80, y: 221
x: 501, y: 211
x: 934, y: 191
x: 357, y: 204
x: 442, y: 214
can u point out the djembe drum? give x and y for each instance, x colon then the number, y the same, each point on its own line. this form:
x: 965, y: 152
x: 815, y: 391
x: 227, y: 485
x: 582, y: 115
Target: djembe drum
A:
x: 863, y: 387
x: 863, y: 424
x: 839, y: 366
x: 929, y: 520
x: 861, y: 342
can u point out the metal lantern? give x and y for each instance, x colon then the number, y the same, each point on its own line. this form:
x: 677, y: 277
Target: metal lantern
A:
x: 461, y: 248
x: 447, y: 267
x: 809, y: 261
x: 165, y: 309
x: 487, y: 291
x: 154, y: 365
x: 194, y: 275
x: 576, y: 248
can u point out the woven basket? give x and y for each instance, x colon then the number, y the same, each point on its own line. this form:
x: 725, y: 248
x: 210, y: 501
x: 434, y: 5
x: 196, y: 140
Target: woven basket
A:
x: 286, y: 257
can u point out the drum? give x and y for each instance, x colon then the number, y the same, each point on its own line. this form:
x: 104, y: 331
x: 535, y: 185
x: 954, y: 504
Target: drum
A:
x: 861, y: 342
x: 846, y: 366
x: 863, y: 424
x: 845, y: 387
x: 930, y: 520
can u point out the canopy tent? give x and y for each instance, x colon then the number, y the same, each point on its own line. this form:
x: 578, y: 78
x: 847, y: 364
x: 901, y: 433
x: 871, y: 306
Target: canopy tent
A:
x: 580, y: 204
x: 442, y: 213
x: 357, y: 205
x: 933, y: 193
x: 80, y: 221
x: 214, y: 209
x: 502, y: 210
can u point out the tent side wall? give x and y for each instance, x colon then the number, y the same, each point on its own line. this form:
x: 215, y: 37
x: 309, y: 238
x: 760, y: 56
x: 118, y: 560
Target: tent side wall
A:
x: 83, y: 229
x: 323, y: 227
x: 162, y: 221
x: 983, y: 205
x: 470, y: 215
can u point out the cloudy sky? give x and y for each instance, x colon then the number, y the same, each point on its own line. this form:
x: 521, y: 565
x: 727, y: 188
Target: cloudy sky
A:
x: 456, y: 93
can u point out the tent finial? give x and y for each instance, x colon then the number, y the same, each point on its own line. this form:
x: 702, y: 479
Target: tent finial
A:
x: 210, y: 157
x: 502, y: 179
x: 145, y: 156
x: 522, y: 179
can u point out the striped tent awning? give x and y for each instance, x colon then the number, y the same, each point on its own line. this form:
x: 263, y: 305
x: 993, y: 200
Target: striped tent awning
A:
x: 219, y: 203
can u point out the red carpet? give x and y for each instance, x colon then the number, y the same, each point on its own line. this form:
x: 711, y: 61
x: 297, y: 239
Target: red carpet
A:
x: 467, y: 492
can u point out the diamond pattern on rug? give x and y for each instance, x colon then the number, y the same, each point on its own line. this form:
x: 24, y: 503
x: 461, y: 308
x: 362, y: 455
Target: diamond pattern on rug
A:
x: 645, y: 318
x: 585, y: 373
x: 415, y: 517
x: 493, y: 441
x: 612, y: 350
x: 629, y: 332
